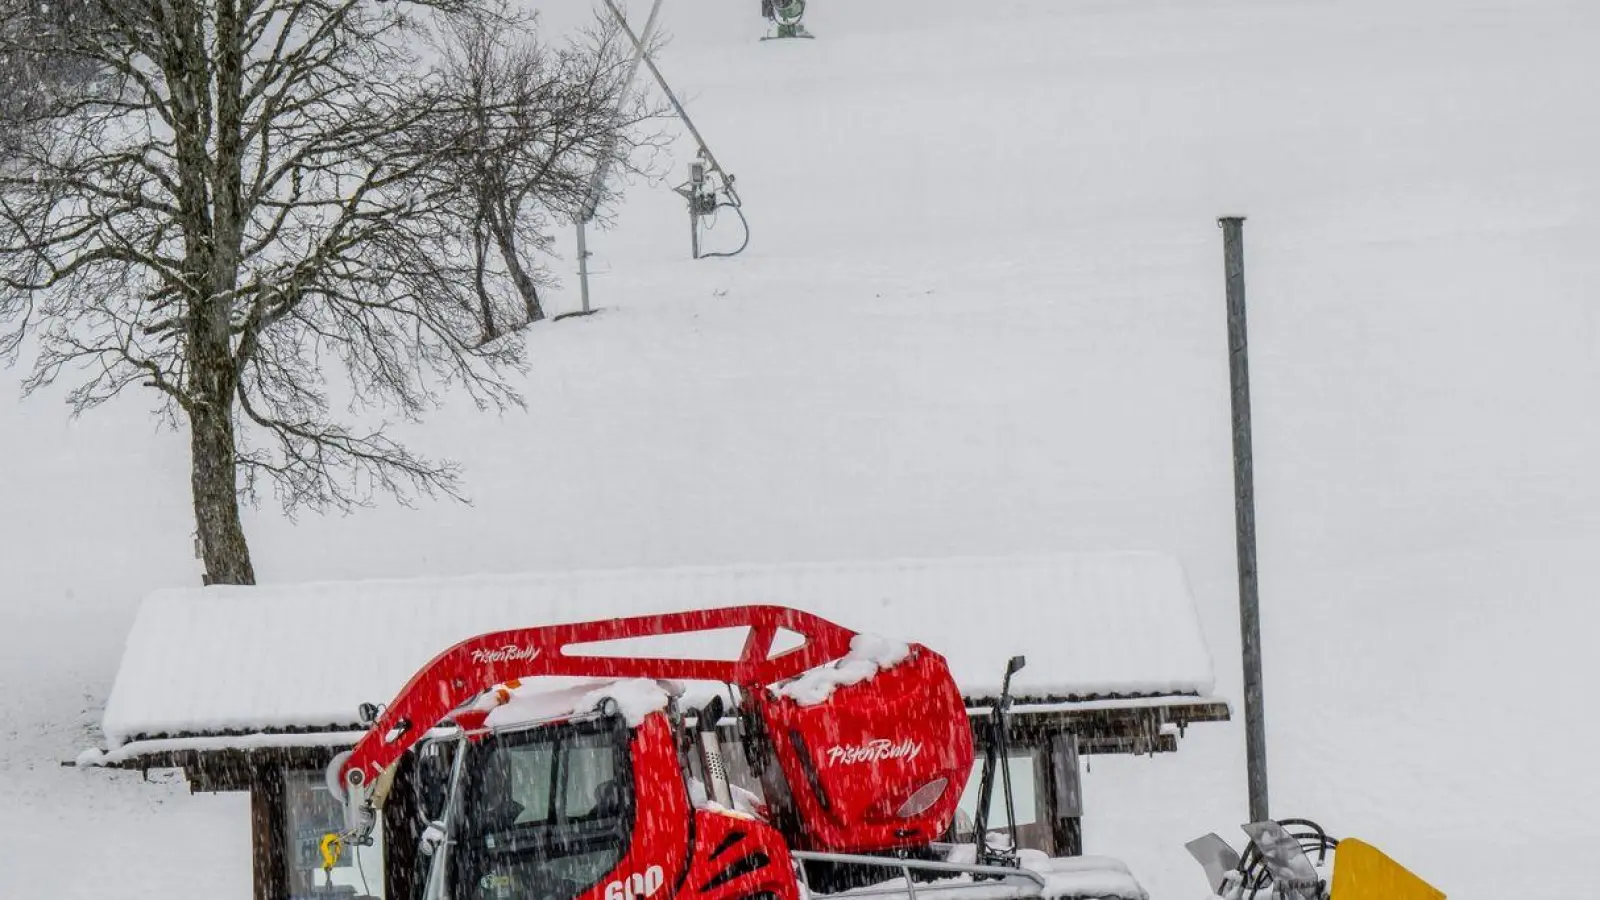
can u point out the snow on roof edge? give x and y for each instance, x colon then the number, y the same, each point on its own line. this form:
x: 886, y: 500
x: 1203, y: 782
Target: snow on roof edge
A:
x: 1153, y: 587
x: 626, y: 572
x: 347, y: 735
x: 145, y: 747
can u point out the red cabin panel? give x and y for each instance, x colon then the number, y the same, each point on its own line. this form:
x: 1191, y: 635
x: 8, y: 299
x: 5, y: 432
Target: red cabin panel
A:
x: 738, y: 858
x: 880, y: 764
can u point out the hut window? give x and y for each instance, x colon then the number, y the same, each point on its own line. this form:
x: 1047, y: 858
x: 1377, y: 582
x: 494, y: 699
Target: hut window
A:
x: 313, y: 812
x: 1031, y: 801
x: 1028, y: 800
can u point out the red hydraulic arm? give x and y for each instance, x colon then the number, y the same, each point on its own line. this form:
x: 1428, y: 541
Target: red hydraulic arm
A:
x: 462, y: 672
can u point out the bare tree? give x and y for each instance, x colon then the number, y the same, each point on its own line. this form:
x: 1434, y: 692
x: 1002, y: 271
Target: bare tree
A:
x: 227, y: 196
x: 537, y: 122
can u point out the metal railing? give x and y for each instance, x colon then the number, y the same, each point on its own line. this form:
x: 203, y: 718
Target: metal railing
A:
x: 906, y: 866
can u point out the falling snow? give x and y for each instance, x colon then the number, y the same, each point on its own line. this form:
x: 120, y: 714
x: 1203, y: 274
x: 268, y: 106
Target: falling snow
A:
x: 980, y: 314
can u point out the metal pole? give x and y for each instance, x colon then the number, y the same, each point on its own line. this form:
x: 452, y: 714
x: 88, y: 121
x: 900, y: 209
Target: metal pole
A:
x: 597, y: 181
x: 1244, y: 512
x: 583, y: 265
x: 661, y: 80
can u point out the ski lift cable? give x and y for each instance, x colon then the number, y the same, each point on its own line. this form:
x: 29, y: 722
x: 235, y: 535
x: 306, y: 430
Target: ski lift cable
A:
x: 661, y: 80
x: 597, y: 180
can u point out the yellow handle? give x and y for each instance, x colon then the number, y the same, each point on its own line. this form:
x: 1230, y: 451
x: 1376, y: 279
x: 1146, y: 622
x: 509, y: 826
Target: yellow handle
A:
x: 332, y: 846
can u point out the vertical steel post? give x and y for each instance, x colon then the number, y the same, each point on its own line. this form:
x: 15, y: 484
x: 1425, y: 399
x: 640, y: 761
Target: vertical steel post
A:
x: 597, y: 181
x: 583, y: 264
x: 1245, y: 517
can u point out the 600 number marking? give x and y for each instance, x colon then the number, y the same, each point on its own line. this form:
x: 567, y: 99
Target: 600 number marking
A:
x: 636, y: 886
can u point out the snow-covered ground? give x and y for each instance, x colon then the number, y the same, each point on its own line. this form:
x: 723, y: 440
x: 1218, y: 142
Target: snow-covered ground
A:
x: 981, y: 314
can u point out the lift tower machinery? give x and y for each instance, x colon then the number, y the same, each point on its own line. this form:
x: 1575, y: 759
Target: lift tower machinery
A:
x: 709, y: 189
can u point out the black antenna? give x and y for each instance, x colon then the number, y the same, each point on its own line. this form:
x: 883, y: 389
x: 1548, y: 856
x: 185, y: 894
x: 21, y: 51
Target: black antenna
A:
x: 996, y: 753
x: 1012, y: 667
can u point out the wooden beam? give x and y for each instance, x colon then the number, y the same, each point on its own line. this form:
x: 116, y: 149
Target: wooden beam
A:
x: 1067, y: 835
x: 1133, y: 732
x: 1199, y: 712
x: 1127, y: 746
x: 1088, y: 721
x: 269, y: 845
x: 220, y: 760
x: 230, y: 770
x: 1058, y: 771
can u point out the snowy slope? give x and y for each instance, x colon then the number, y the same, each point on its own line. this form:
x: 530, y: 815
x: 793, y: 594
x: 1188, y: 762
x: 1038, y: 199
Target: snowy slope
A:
x: 982, y: 314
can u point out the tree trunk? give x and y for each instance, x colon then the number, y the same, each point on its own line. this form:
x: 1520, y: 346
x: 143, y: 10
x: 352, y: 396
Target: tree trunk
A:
x: 214, y: 372
x: 485, y: 308
x: 213, y: 477
x: 507, y: 244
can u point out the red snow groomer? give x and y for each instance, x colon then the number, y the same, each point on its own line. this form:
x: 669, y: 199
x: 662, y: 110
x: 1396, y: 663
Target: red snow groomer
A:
x: 610, y: 791
x: 861, y: 747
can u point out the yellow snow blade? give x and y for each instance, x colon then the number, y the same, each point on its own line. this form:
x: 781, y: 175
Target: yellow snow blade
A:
x: 1362, y: 872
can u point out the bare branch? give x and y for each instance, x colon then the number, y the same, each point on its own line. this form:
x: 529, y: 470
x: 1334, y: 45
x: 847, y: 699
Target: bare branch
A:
x: 216, y: 199
x: 523, y: 128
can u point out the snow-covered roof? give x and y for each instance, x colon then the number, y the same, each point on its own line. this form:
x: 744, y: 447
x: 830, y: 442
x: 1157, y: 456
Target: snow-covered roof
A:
x: 225, y: 659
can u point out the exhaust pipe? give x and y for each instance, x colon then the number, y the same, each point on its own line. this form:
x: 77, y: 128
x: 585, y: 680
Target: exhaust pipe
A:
x: 711, y: 754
